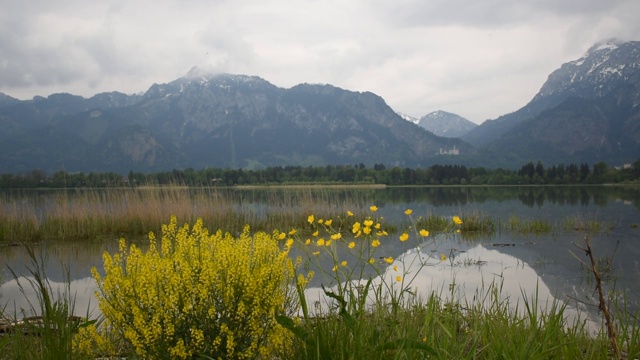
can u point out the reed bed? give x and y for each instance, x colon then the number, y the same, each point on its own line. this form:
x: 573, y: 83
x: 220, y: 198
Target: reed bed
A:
x: 84, y: 214
x: 89, y: 214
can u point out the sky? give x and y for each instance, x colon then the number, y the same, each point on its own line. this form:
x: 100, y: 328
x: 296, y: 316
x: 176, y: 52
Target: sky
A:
x: 479, y: 59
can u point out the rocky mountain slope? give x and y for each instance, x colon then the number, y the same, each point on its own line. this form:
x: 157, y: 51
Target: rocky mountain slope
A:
x: 604, y: 68
x: 587, y: 111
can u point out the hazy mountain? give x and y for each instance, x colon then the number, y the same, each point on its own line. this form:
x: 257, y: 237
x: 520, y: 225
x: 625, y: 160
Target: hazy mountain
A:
x: 217, y: 121
x: 604, y: 68
x: 446, y: 124
x: 6, y: 100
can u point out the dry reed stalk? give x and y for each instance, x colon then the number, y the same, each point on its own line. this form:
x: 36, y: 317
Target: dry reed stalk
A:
x: 602, y: 303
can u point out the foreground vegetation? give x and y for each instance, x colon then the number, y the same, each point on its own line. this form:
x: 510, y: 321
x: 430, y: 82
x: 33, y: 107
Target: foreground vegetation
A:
x: 196, y: 294
x: 529, y: 173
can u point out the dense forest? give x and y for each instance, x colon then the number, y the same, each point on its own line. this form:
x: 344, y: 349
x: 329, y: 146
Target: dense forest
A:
x: 529, y: 173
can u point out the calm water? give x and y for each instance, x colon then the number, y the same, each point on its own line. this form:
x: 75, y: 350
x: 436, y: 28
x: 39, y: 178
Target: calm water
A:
x: 520, y: 263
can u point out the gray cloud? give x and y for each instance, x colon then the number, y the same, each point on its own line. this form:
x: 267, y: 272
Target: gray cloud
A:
x: 480, y: 58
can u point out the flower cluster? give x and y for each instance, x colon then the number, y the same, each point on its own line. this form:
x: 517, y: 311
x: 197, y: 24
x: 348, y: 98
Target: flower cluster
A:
x: 199, y: 294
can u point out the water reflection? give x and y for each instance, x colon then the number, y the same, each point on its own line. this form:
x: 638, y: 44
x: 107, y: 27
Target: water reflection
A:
x: 20, y: 298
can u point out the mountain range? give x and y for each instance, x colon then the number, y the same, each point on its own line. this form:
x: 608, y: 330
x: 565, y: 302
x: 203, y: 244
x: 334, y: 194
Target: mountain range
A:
x: 587, y: 111
x: 227, y: 121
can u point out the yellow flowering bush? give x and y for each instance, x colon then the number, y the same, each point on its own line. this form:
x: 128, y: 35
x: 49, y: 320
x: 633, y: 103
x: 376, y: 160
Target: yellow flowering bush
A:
x: 198, y: 294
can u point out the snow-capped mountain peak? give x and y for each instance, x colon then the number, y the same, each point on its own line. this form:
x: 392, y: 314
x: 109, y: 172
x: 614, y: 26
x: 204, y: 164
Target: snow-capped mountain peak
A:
x: 595, y: 73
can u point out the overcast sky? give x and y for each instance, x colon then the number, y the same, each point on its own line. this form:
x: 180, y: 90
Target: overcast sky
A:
x: 479, y: 59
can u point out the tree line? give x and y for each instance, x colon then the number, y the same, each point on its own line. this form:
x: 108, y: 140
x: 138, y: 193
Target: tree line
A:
x: 529, y: 173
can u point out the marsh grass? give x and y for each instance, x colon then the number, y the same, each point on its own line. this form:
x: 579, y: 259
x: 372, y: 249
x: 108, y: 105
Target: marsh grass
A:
x: 485, y: 328
x: 48, y: 326
x: 475, y: 225
x: 592, y: 226
x: 529, y: 226
x: 90, y: 213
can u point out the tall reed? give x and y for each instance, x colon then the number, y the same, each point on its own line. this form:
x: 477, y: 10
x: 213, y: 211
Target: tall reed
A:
x: 91, y: 213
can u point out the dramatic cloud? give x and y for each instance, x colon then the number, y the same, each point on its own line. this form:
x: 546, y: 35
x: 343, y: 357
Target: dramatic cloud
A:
x: 479, y: 59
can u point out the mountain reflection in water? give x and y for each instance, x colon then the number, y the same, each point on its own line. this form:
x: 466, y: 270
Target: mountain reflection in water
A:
x: 472, y: 274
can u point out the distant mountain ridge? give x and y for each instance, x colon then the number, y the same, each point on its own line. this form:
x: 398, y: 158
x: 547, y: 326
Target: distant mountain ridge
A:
x: 446, y: 124
x: 225, y: 120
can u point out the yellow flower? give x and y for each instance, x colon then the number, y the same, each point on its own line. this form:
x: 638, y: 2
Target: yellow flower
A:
x: 388, y: 260
x: 398, y: 278
x: 311, y: 219
x: 328, y: 222
x: 408, y: 212
x: 377, y: 226
x: 356, y: 227
x: 349, y: 213
x: 368, y: 222
x: 328, y: 243
x: 316, y: 253
x: 292, y: 232
x: 315, y: 233
x: 382, y: 233
x: 424, y: 233
x: 373, y: 208
x: 371, y: 261
x: 457, y: 220
x: 336, y: 236
x: 352, y: 245
x: 289, y: 242
x: 404, y: 237
x: 282, y: 236
x: 366, y: 230
x: 320, y: 242
x: 375, y: 243
x: 395, y: 267
x: 307, y: 242
x: 443, y: 257
x: 320, y: 221
x: 344, y: 263
x: 335, y: 268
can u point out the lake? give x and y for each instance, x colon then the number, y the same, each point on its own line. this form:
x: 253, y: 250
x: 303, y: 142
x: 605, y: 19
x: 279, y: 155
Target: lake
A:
x: 520, y: 262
